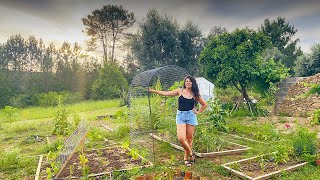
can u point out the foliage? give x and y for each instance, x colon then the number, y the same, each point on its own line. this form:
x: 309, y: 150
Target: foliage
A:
x: 271, y: 72
x: 283, y: 150
x: 231, y: 59
x: 216, y: 116
x: 29, y: 67
x: 76, y: 119
x: 160, y: 41
x: 206, y: 140
x: 8, y: 159
x: 61, y: 125
x: 107, y: 24
x: 10, y: 113
x: 304, y: 142
x: 281, y: 34
x: 54, y: 146
x: 110, y: 83
x: 308, y: 64
x: 316, y: 117
x: 315, y: 89
x: 54, y: 166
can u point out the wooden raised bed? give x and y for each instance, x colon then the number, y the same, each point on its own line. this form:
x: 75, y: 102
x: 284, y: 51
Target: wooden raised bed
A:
x: 250, y: 168
x: 239, y: 148
x: 102, y: 162
x: 170, y: 174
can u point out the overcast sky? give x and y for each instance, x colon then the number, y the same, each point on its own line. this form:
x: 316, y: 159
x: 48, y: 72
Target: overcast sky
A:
x: 60, y: 20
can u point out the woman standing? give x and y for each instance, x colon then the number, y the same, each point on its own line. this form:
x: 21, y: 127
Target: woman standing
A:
x: 186, y: 118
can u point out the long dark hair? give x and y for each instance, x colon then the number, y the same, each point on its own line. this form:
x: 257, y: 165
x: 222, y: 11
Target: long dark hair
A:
x: 194, y: 88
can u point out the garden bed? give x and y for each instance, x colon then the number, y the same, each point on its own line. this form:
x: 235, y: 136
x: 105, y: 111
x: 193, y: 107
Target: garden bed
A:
x: 102, y: 162
x: 231, y: 148
x: 170, y: 174
x: 255, y: 168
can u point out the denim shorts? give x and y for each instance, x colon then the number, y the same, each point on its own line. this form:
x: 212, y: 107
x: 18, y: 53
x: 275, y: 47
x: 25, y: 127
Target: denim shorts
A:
x: 186, y: 117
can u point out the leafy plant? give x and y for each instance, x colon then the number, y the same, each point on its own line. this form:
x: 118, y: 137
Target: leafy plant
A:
x: 83, y: 161
x: 316, y: 117
x: 304, y: 142
x: 54, y: 166
x: 134, y: 153
x: 10, y: 113
x: 217, y: 116
x: 61, y: 125
x: 262, y: 162
x: 283, y: 150
x: 8, y: 159
x: 76, y: 119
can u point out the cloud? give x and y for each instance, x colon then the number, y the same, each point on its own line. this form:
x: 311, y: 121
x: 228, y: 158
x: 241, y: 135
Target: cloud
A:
x: 59, y: 20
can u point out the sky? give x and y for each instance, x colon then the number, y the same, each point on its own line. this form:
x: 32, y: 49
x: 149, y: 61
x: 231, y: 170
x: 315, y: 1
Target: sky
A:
x: 60, y: 20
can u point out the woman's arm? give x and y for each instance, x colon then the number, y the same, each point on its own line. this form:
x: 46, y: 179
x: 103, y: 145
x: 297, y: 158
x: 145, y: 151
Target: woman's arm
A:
x: 165, y: 93
x: 203, y: 105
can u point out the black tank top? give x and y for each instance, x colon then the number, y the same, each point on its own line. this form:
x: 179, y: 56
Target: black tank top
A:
x: 185, y: 104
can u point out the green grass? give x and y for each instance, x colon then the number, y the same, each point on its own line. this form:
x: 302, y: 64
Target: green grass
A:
x: 31, y: 133
x: 45, y: 112
x: 23, y: 135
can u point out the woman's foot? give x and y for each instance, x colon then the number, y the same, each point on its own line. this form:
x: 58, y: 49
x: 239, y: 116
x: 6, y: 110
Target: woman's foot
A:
x: 192, y: 158
x: 187, y: 163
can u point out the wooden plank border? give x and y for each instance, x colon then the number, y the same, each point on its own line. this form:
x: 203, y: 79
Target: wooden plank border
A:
x: 265, y: 176
x: 36, y: 177
x: 241, y: 137
x: 219, y: 153
x: 110, y: 172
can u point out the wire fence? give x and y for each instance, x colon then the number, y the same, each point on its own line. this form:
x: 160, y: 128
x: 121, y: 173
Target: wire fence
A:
x: 72, y: 142
x: 147, y: 112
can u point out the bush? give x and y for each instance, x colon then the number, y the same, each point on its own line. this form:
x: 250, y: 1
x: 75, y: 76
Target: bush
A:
x: 8, y: 160
x: 304, y: 142
x: 110, y: 83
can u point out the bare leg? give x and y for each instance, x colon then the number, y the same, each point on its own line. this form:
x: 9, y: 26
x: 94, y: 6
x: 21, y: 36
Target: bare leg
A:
x: 182, y: 137
x: 190, y: 132
x: 189, y: 136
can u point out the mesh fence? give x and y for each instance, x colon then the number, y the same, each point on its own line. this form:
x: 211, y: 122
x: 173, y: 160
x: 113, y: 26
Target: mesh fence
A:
x: 150, y: 113
x: 72, y: 142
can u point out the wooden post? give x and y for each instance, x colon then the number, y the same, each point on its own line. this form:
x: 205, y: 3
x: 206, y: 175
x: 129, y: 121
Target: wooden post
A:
x: 36, y: 177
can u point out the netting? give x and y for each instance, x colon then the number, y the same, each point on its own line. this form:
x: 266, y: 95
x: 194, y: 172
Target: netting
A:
x: 72, y: 142
x: 149, y: 113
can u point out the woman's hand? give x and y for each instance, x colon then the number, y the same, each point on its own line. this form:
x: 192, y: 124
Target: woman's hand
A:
x: 150, y: 90
x: 195, y: 111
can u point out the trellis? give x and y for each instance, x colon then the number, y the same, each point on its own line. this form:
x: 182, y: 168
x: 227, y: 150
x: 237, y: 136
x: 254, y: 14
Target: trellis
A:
x: 142, y: 104
x: 71, y: 144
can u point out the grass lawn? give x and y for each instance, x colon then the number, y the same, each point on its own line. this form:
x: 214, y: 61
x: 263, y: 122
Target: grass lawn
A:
x: 30, y: 135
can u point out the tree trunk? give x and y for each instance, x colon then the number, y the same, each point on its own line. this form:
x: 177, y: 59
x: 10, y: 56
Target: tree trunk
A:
x: 113, y: 44
x: 248, y: 100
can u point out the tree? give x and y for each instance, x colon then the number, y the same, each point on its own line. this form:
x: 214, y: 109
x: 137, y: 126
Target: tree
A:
x: 156, y: 43
x: 215, y: 31
x: 109, y: 21
x: 160, y: 41
x: 191, y: 45
x: 110, y: 83
x: 309, y: 64
x: 231, y: 59
x: 281, y: 34
x: 15, y: 52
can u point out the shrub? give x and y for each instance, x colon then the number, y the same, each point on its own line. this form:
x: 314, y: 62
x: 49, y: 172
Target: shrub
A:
x: 304, y: 142
x: 61, y: 126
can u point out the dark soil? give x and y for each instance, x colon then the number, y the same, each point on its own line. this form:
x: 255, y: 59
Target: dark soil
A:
x: 253, y: 167
x: 101, y: 161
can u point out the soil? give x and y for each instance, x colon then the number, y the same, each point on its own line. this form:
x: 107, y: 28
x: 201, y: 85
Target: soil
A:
x: 227, y: 147
x: 253, y: 167
x: 100, y: 161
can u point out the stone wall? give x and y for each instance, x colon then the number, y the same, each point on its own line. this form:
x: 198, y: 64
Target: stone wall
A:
x: 295, y: 104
